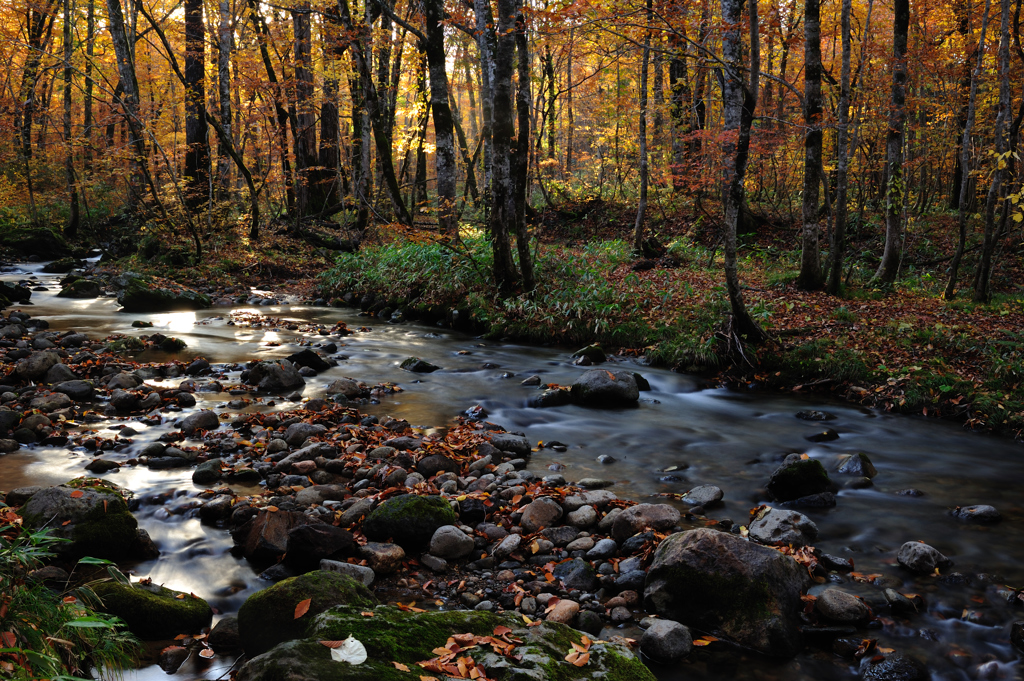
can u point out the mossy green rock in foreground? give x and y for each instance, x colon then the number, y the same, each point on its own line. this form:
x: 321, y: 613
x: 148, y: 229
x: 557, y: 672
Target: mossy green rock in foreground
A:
x: 154, y: 612
x: 268, y: 617
x: 90, y: 512
x: 798, y: 479
x: 392, y: 635
x: 139, y: 294
x: 409, y: 520
x: 718, y: 583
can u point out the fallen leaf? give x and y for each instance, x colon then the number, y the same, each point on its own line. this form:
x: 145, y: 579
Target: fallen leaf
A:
x: 77, y: 494
x: 302, y: 608
x: 501, y: 630
x: 400, y: 667
x: 206, y: 653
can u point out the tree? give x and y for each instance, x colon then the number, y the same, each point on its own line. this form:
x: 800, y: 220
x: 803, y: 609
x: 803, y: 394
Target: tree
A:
x: 197, y: 146
x: 638, y: 227
x: 810, y: 278
x: 444, y: 128
x: 838, y: 245
x: 71, y: 228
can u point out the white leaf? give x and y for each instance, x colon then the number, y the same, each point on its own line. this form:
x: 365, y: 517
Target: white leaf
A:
x: 351, y: 651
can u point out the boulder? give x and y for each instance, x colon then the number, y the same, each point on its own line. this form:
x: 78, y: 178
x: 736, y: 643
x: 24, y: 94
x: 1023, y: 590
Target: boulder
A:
x: 382, y: 558
x: 449, y: 542
x: 307, y: 545
x: 76, y: 389
x: 15, y: 293
x: 540, y: 513
x: 91, y: 512
x: 154, y: 612
x: 393, y: 636
x: 137, y: 293
x: 50, y: 402
x: 81, y: 288
x: 704, y: 495
x: 275, y: 376
x: 797, y: 479
x: 895, y: 667
x: 978, y: 514
x: 309, y: 358
x: 666, y: 641
x: 842, y: 607
x: 603, y: 388
x: 419, y: 366
x: 38, y: 241
x: 920, y: 557
x: 594, y: 353
x: 433, y: 464
x: 59, y: 373
x: 36, y: 365
x: 508, y: 442
x: 778, y: 527
x: 200, y: 420
x: 60, y: 266
x: 268, y: 617
x: 348, y: 387
x: 857, y: 464
x: 719, y: 583
x: 409, y: 520
x: 264, y: 537
x: 224, y: 637
x: 360, y: 573
x: 298, y: 432
x: 657, y: 517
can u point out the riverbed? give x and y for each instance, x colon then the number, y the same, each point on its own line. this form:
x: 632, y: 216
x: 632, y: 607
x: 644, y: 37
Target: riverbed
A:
x: 684, y: 433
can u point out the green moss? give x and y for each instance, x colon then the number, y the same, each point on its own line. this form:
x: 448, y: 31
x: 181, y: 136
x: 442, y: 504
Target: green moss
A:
x: 106, y: 532
x: 154, y: 612
x: 410, y: 520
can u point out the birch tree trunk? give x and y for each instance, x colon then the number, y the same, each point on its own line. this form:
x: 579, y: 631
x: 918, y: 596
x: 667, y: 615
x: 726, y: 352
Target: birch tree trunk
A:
x: 641, y: 208
x: 810, y: 278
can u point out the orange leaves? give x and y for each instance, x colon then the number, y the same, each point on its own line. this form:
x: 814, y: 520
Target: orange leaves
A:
x: 302, y: 608
x: 410, y: 607
x: 400, y: 667
x: 77, y: 494
x: 704, y: 641
x: 452, y: 661
x: 579, y: 655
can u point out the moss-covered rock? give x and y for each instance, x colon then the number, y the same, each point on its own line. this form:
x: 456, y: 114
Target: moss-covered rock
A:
x: 140, y: 294
x: 15, y: 293
x: 594, y: 353
x: 60, y: 266
x: 35, y: 241
x: 798, y: 479
x: 154, y: 612
x: 409, y: 520
x: 81, y: 288
x: 392, y: 635
x: 268, y: 617
x: 90, y: 512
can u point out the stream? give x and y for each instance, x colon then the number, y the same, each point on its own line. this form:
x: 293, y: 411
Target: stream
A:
x: 683, y: 434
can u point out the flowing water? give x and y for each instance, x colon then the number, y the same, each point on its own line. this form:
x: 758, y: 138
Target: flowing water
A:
x: 702, y: 434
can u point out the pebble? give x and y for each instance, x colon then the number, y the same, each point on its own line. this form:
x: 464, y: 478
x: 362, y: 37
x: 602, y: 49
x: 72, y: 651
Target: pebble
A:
x: 564, y: 611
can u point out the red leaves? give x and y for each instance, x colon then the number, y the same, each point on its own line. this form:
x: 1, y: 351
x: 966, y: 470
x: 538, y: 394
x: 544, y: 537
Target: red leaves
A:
x: 77, y: 494
x: 302, y: 608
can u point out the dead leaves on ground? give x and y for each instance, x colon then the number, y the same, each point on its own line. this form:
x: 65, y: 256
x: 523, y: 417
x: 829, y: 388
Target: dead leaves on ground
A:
x: 452, y: 661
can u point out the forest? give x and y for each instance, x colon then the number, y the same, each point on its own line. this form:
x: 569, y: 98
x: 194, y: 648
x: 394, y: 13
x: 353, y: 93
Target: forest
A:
x: 703, y: 166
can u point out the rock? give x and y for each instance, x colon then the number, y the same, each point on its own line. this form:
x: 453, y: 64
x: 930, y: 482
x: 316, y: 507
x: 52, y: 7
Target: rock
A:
x: 449, y: 542
x: 784, y: 528
x: 840, y: 606
x: 297, y: 433
x: 268, y: 617
x: 920, y: 557
x: 826, y: 435
x: 309, y: 544
x: 899, y: 603
x: 657, y: 517
x: 419, y: 366
x: 798, y: 479
x: 814, y: 415
x: 76, y: 389
x: 507, y: 442
x: 15, y: 292
x: 719, y: 583
x: 530, y: 381
x: 37, y: 241
x: 896, y: 667
x: 18, y: 496
x: 201, y: 420
x: 666, y: 641
x: 360, y: 573
x: 704, y: 495
x: 100, y: 466
x: 90, y: 512
x: 409, y: 520
x: 354, y: 512
x: 605, y: 548
x: 393, y: 636
x: 275, y: 376
x: 434, y: 563
x: 8, y: 446
x: 602, y: 388
x: 59, y: 373
x: 309, y: 358
x: 551, y: 397
x: 141, y: 294
x: 36, y: 365
x: 264, y: 538
x: 348, y: 387
x: 592, y: 352
x: 857, y: 464
x: 383, y: 558
x: 207, y: 472
x: 564, y: 611
x: 541, y: 513
x: 154, y: 612
x: 216, y: 509
x: 978, y: 514
x: 1017, y: 635
x: 594, y: 483
x: 575, y: 574
x: 589, y: 622
x: 507, y: 546
x: 583, y: 517
x: 50, y: 402
x: 435, y: 464
x: 224, y: 637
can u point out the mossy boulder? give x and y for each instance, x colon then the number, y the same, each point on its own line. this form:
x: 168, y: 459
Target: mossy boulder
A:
x: 81, y: 288
x: 138, y: 293
x: 154, y: 612
x: 603, y: 388
x: 61, y: 266
x: 15, y: 293
x: 37, y: 241
x: 268, y: 617
x: 718, y: 583
x: 90, y: 512
x: 798, y: 479
x: 409, y: 520
x: 393, y: 635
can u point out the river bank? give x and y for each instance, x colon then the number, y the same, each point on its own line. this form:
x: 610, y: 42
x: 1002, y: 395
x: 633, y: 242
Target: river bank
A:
x: 653, y: 452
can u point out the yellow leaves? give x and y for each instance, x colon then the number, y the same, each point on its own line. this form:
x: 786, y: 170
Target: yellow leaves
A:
x: 704, y: 641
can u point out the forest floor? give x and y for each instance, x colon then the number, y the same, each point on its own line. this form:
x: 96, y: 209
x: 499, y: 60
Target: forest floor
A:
x: 902, y: 348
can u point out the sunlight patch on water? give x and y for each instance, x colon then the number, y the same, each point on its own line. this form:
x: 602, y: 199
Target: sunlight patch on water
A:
x: 175, y: 322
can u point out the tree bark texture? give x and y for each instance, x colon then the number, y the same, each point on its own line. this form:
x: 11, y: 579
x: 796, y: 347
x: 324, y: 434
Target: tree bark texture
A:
x: 197, y: 146
x: 810, y: 278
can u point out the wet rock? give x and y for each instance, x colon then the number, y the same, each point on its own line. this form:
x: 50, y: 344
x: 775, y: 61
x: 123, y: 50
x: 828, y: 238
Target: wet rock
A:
x: 978, y: 514
x: 419, y: 366
x: 857, y: 464
x: 409, y: 520
x: 100, y: 466
x: 531, y: 381
x: 784, y: 528
x: 8, y: 446
x: 594, y: 353
x: 382, y: 558
x: 1017, y: 635
x: 657, y: 517
x: 564, y: 611
x: 153, y: 612
x: 544, y: 512
x: 822, y: 500
x: 309, y: 544
x: 826, y: 435
x: 814, y: 415
x: 309, y: 358
x: 575, y: 574
x: 224, y: 637
x: 449, y: 542
x: 920, y: 557
x: 666, y: 641
x: 275, y: 376
x: 434, y: 464
x: 207, y: 472
x: 840, y: 606
x: 297, y: 433
x: 508, y: 442
x: 75, y: 389
x: 602, y: 388
x: 360, y: 573
x: 704, y: 495
x: 551, y: 397
x: 798, y: 479
x: 716, y: 581
x: 348, y: 387
x: 895, y: 667
x: 899, y: 603
x: 36, y: 365
x: 216, y: 509
x: 268, y: 617
x: 201, y: 420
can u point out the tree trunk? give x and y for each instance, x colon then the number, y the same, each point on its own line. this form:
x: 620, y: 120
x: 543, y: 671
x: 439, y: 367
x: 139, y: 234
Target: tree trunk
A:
x: 521, y: 153
x: 444, y: 128
x: 838, y: 246
x: 330, y: 131
x: 810, y: 278
x: 87, y: 122
x: 71, y: 228
x: 895, y: 189
x: 308, y: 196
x: 552, y: 99
x: 502, y: 219
x: 679, y: 87
x: 197, y: 146
x: 570, y: 120
x: 641, y: 208
x: 486, y: 46
x: 962, y: 10
x: 739, y: 100
x: 225, y: 40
